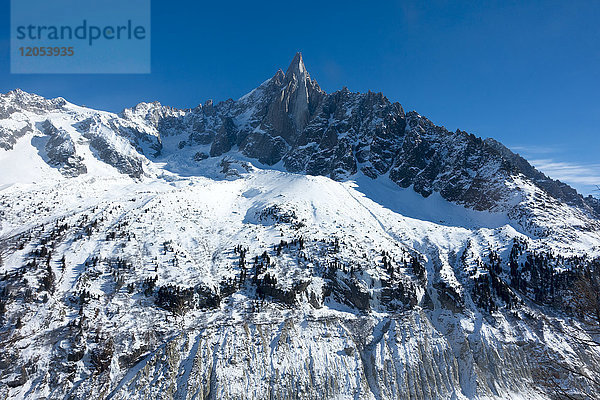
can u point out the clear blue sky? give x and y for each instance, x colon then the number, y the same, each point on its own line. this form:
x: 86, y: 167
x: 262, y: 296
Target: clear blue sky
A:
x: 525, y: 74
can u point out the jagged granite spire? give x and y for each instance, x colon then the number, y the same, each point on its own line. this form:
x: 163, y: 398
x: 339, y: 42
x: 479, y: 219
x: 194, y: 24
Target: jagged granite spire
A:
x: 297, y: 68
x: 295, y: 101
x: 301, y: 93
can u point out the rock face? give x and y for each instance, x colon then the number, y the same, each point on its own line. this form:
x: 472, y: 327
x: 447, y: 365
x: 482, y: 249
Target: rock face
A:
x: 109, y: 147
x: 61, y: 153
x: 293, y: 107
x: 346, y: 360
x: 58, y: 128
x: 265, y: 124
x: 9, y: 104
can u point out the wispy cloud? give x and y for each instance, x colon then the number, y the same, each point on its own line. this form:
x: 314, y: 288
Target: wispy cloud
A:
x: 585, y: 177
x: 524, y: 150
x: 557, y: 163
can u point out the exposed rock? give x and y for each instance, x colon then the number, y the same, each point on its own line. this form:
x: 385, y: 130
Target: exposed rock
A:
x: 61, y: 153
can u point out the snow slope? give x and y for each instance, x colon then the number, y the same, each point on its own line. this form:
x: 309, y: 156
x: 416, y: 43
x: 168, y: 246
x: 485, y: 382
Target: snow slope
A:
x: 184, y: 230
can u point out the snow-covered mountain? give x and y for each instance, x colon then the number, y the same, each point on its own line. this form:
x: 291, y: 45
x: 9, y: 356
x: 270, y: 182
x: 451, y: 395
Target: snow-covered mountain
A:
x: 291, y: 244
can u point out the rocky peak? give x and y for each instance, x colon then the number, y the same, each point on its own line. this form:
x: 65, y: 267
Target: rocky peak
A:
x: 297, y: 69
x: 152, y: 112
x: 293, y: 106
x: 298, y: 74
x: 18, y: 100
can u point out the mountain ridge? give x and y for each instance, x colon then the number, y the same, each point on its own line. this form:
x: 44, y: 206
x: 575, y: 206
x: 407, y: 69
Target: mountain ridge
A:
x: 272, y: 124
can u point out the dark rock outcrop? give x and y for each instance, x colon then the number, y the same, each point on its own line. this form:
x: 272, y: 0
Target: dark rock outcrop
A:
x: 61, y: 153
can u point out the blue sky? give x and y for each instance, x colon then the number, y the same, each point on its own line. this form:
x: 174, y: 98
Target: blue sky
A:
x: 525, y: 74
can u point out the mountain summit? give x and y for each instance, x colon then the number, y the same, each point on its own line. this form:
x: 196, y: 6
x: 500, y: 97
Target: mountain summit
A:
x: 297, y: 68
x: 291, y: 244
x: 300, y: 94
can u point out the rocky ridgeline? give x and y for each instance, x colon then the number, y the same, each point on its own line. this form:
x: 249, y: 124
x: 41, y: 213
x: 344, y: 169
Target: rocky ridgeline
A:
x: 289, y: 119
